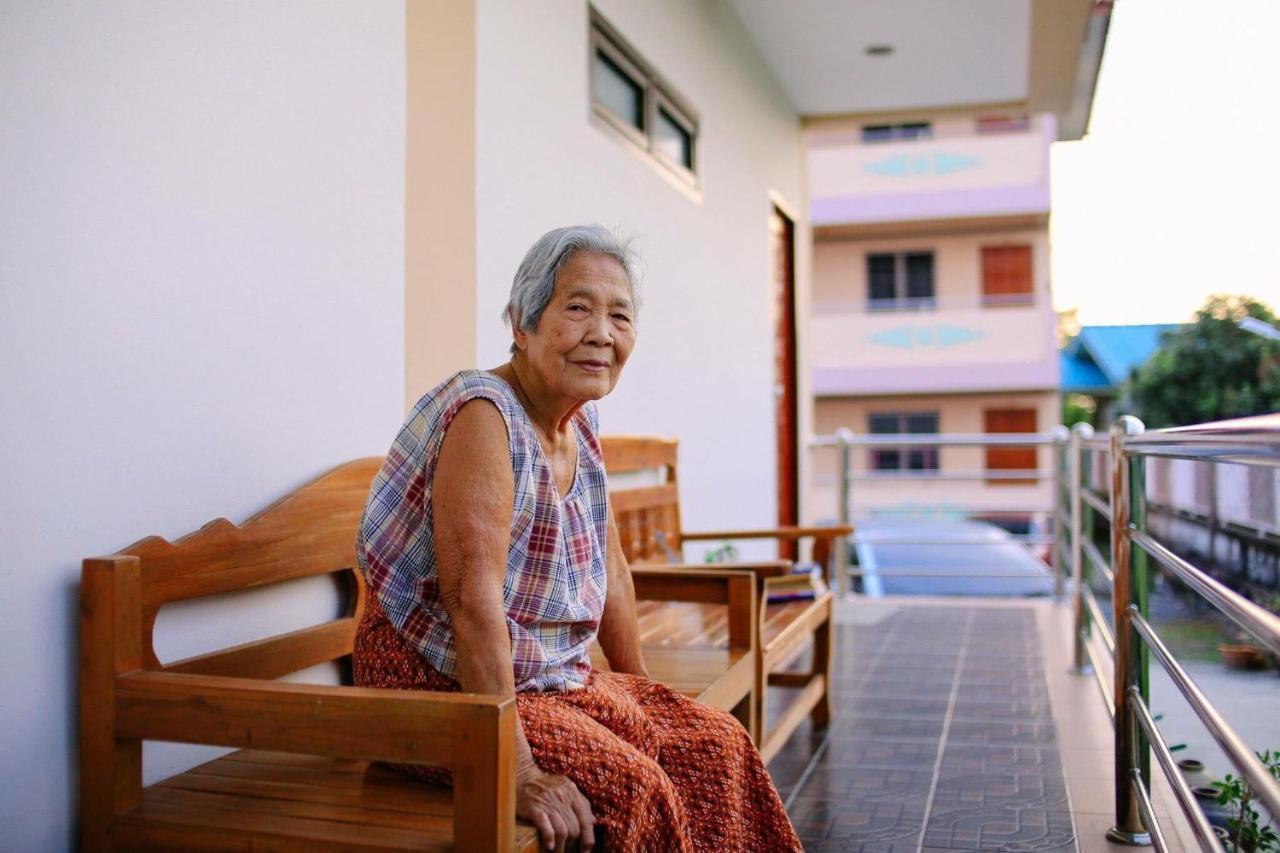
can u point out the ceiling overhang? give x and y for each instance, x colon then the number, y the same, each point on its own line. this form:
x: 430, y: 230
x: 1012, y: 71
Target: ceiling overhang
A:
x: 947, y: 56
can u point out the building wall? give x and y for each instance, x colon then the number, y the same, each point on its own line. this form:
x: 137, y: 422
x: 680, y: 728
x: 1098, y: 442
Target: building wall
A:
x: 961, y: 345
x: 958, y: 172
x: 957, y: 413
x: 201, y: 257
x: 703, y: 367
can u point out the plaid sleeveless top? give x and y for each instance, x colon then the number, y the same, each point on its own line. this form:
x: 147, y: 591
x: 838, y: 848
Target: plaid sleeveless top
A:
x: 555, y: 582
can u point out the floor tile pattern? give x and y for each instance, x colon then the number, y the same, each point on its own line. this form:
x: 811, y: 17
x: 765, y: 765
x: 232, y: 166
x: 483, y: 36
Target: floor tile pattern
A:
x: 942, y: 740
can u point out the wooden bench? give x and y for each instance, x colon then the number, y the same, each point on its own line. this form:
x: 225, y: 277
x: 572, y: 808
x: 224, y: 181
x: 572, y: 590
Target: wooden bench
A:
x: 304, y: 776
x: 648, y: 519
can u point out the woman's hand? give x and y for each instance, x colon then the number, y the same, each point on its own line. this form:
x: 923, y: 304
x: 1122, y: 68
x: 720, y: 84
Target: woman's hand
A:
x: 556, y: 807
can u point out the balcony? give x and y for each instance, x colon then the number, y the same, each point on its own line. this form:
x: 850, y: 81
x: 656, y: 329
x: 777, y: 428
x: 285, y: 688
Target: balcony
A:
x: 956, y: 345
x: 948, y: 177
x: 1053, y: 723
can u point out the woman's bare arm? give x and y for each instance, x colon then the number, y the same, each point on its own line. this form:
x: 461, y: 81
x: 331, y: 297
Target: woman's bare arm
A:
x: 472, y: 497
x: 619, y: 630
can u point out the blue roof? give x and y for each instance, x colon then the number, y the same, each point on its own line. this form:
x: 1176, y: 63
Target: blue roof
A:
x: 1109, y: 351
x: 1081, y: 376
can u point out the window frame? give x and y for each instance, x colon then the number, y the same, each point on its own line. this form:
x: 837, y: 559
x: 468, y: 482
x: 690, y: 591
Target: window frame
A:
x: 901, y: 301
x: 657, y: 95
x: 931, y: 456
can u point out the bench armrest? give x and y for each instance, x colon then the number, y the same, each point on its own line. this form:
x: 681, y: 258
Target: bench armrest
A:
x: 760, y: 569
x: 706, y: 584
x: 824, y: 532
x: 344, y: 722
x: 472, y: 734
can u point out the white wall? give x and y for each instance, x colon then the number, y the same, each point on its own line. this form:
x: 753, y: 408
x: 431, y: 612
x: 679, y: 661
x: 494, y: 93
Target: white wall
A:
x: 703, y: 368
x: 201, y: 285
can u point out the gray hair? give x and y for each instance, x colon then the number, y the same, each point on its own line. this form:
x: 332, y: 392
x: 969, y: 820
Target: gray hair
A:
x: 535, y: 279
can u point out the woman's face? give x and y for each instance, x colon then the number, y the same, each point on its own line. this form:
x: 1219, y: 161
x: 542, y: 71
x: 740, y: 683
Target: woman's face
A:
x: 587, y: 330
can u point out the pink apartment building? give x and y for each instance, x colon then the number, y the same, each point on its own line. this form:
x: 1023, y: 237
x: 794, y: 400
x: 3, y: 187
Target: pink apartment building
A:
x: 931, y: 305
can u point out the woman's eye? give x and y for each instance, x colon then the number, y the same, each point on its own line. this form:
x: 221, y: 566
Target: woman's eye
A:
x: 622, y: 318
x: 577, y: 307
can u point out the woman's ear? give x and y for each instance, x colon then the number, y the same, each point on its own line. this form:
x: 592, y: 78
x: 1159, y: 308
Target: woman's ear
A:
x: 519, y: 336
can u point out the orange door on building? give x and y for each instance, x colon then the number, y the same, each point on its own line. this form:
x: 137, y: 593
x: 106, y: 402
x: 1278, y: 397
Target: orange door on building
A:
x: 1010, y: 458
x: 782, y: 259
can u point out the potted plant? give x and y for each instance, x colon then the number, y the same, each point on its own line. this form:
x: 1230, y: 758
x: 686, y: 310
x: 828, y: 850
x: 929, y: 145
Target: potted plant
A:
x: 1245, y: 831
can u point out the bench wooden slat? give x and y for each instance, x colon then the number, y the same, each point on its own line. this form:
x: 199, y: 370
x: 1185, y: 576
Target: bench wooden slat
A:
x: 207, y: 822
x: 368, y: 787
x: 627, y: 454
x: 246, y: 800
x: 275, y: 656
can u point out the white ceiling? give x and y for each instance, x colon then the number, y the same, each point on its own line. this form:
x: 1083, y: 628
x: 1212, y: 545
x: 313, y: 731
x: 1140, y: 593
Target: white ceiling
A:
x: 946, y: 52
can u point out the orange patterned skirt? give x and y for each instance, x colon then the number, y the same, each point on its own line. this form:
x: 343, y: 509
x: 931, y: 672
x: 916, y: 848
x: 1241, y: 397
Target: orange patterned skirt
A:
x: 662, y: 772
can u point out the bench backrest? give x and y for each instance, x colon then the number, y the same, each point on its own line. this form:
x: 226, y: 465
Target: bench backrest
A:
x: 648, y: 516
x: 309, y: 532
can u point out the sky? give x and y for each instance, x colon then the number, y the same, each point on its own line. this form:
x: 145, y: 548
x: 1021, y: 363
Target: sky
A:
x: 1174, y: 193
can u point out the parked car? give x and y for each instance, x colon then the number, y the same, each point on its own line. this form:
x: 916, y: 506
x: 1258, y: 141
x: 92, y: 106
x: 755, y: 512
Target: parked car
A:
x: 945, y: 557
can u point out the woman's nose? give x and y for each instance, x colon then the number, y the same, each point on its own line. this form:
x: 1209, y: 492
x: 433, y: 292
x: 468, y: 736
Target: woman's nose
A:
x: 600, y: 331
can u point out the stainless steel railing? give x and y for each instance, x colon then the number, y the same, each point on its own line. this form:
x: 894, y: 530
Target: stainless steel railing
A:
x: 1124, y: 644
x: 845, y: 441
x: 1130, y: 641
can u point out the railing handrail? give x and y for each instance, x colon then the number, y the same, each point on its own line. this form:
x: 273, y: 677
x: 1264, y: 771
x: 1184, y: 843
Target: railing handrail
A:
x: 1256, y: 442
x: 931, y: 439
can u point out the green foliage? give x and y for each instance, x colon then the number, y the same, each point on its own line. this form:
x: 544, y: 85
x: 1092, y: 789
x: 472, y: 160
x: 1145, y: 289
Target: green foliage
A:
x: 1210, y: 369
x: 1244, y: 826
x: 1078, y: 409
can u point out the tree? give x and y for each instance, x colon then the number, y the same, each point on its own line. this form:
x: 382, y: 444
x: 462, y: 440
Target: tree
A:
x: 1210, y: 369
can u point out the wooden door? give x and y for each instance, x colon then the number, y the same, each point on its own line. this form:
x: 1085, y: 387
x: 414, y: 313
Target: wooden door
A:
x: 1006, y: 275
x: 1010, y: 458
x: 783, y: 269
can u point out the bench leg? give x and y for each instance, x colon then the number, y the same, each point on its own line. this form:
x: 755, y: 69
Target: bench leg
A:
x: 745, y: 713
x: 822, y: 661
x: 759, y: 712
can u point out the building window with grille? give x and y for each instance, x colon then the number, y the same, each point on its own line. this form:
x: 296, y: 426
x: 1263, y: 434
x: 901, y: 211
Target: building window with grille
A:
x: 895, y: 132
x: 1007, y: 276
x: 904, y: 457
x: 631, y: 100
x: 900, y: 281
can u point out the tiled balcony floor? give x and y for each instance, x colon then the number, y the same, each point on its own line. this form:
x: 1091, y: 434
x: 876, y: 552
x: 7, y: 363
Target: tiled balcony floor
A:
x: 944, y: 737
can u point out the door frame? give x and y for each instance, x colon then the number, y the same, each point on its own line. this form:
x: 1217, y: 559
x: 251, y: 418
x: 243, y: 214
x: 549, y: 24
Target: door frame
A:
x: 785, y: 359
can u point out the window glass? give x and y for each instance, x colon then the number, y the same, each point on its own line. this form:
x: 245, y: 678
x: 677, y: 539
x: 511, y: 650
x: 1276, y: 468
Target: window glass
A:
x: 916, y: 130
x: 887, y: 132
x: 904, y: 458
x: 920, y: 275
x: 920, y: 424
x: 884, y: 424
x: 881, y: 273
x: 672, y: 140
x: 616, y: 90
x: 877, y: 133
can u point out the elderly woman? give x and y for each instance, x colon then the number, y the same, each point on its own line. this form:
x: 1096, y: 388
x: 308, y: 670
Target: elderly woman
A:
x: 488, y: 541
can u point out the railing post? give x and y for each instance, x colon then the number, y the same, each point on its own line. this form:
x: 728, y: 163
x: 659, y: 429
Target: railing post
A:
x: 843, y: 437
x: 1080, y: 573
x: 1061, y: 435
x: 1130, y: 749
